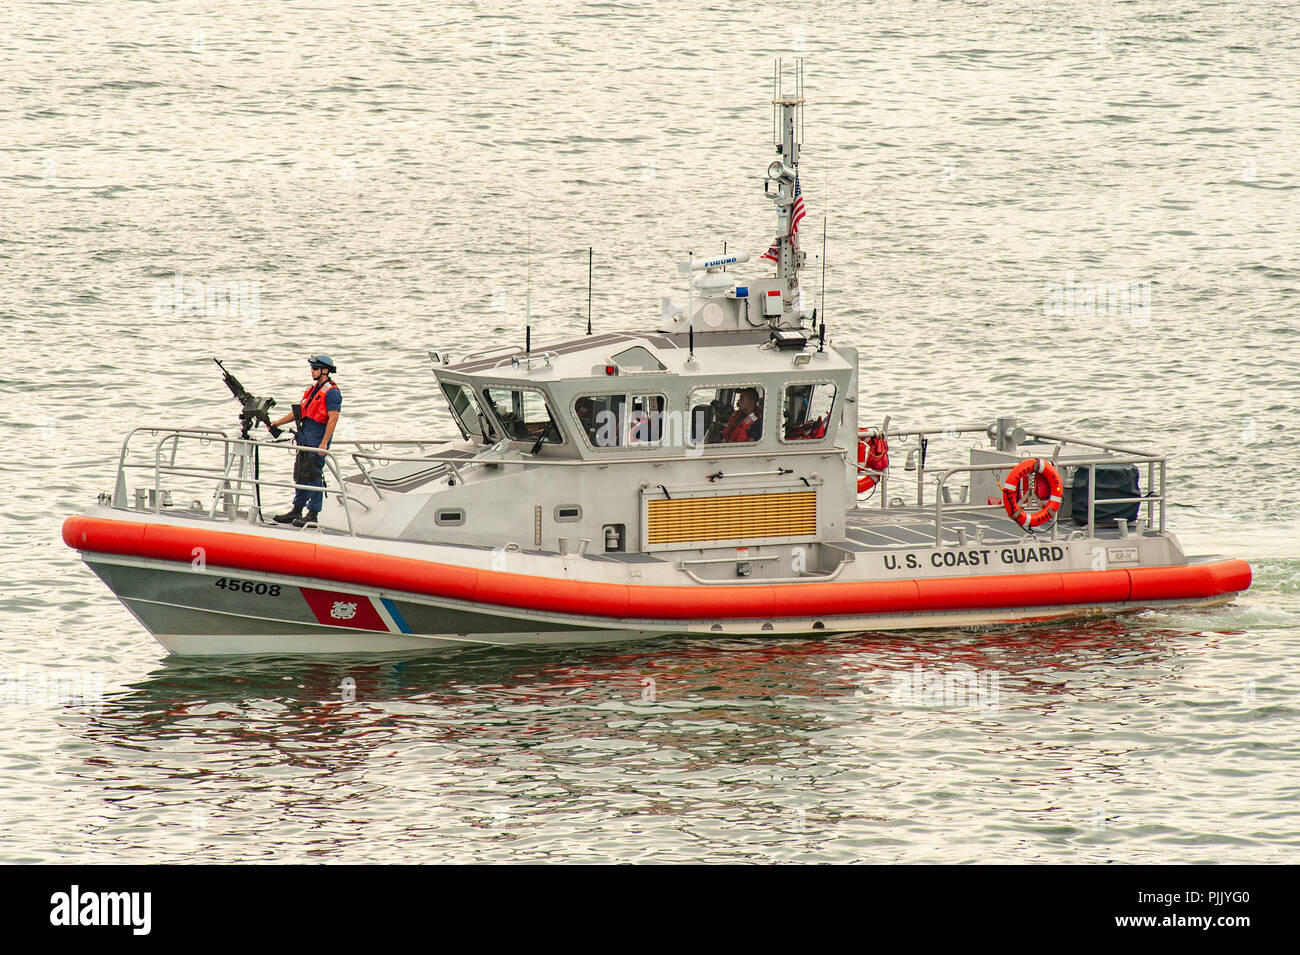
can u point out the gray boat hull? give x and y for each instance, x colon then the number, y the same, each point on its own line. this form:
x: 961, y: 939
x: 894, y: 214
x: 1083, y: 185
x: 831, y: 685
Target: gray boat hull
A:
x: 212, y: 613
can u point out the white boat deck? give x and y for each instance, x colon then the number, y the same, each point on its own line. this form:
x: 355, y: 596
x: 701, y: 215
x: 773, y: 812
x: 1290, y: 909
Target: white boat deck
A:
x: 878, y: 529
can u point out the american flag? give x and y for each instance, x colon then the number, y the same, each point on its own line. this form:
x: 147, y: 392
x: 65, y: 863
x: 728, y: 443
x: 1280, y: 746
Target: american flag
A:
x: 797, y: 212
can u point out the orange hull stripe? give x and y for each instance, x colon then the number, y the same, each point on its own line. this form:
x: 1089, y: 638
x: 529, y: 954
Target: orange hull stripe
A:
x: 297, y: 558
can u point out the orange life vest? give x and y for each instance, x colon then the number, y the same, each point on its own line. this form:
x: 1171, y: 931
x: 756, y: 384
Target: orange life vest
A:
x: 313, y: 402
x: 738, y: 427
x: 873, y: 455
x: 809, y: 429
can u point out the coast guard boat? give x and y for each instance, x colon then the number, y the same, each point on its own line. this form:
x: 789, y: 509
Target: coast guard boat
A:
x: 709, y: 473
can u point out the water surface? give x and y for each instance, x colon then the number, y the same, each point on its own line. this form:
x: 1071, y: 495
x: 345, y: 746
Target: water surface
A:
x: 376, y: 172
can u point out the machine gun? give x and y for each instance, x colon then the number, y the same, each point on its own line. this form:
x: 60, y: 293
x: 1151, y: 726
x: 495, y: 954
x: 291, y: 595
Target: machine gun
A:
x: 255, y: 409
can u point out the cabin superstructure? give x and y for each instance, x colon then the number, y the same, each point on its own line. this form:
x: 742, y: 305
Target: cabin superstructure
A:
x: 635, y: 444
x: 730, y: 425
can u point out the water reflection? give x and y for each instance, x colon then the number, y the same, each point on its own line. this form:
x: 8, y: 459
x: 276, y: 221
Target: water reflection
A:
x: 742, y: 743
x: 337, y: 704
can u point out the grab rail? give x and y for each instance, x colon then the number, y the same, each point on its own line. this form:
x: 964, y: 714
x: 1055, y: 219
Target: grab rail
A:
x: 1149, y: 498
x: 1111, y: 455
x: 237, y: 478
x: 234, y: 480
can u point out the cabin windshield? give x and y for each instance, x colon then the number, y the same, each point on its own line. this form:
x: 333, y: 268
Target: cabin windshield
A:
x: 523, y: 414
x: 465, y: 409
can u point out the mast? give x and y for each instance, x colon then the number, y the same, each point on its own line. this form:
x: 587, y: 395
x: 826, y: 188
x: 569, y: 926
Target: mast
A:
x: 787, y: 120
x: 774, y: 302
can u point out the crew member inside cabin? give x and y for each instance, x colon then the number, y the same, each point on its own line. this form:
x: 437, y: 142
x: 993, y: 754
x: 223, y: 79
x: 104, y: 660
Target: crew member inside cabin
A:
x: 321, y: 404
x: 798, y: 426
x: 746, y: 422
x: 645, y: 419
x: 587, y: 417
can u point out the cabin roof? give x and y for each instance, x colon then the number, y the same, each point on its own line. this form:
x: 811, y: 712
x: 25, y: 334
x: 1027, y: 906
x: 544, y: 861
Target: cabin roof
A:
x: 578, y: 358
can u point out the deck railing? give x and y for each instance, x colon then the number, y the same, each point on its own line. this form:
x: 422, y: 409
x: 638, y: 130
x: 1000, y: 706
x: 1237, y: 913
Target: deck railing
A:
x: 1108, y: 455
x: 235, y: 482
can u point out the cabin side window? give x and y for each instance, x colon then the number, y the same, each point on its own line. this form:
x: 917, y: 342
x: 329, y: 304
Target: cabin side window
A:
x: 523, y: 414
x: 617, y: 421
x: 806, y: 410
x: 726, y: 415
x: 465, y: 409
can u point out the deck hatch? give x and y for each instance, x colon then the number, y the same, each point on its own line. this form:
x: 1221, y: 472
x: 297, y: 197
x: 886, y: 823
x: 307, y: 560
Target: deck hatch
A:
x: 686, y: 520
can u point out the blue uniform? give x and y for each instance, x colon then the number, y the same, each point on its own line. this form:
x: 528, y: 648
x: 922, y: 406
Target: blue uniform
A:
x: 317, y: 402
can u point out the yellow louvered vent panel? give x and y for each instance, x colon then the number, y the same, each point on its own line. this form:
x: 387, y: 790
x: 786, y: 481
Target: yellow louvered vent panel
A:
x: 739, y: 517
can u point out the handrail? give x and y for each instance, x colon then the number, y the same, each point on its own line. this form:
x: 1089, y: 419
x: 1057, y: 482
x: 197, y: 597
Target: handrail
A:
x: 1151, y: 460
x: 1149, y: 498
x: 758, y: 581
x: 529, y: 356
x: 1036, y: 435
x: 119, y: 484
x: 757, y: 559
x: 356, y: 459
x: 531, y: 460
x: 232, y: 479
x: 235, y: 481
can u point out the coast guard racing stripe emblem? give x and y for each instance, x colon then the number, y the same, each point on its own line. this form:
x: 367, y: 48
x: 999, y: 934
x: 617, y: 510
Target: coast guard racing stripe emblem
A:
x: 344, y: 610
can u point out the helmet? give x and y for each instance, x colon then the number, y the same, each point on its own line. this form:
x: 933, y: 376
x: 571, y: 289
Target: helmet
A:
x: 322, y: 361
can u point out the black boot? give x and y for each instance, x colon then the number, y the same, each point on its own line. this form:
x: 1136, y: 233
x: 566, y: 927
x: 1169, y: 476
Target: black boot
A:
x: 293, y: 517
x: 308, y: 521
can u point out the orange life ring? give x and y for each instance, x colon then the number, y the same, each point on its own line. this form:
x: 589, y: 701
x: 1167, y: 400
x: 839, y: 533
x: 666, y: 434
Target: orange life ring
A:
x: 1016, y: 488
x: 873, y: 454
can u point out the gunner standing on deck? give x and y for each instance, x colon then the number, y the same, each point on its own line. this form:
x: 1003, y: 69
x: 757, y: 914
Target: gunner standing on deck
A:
x: 321, y: 404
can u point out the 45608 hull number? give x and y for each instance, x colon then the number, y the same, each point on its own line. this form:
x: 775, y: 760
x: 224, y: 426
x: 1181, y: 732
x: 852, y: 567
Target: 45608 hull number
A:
x: 259, y: 588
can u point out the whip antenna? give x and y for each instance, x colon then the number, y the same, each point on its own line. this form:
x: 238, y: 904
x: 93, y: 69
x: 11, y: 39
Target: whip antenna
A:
x: 528, y: 295
x: 690, y: 306
x: 823, y: 295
